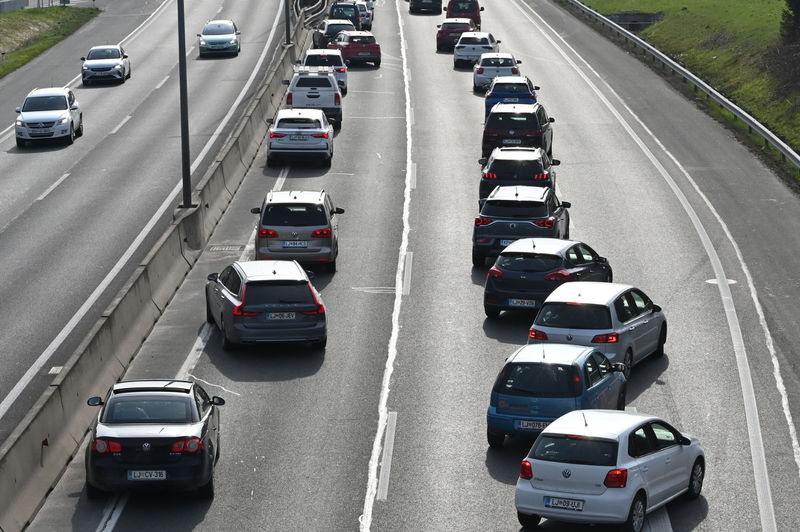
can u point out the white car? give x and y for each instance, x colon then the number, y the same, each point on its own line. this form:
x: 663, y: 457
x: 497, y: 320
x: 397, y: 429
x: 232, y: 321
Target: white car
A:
x: 300, y: 134
x: 471, y: 45
x: 366, y: 15
x: 105, y: 63
x: 491, y: 65
x: 49, y: 114
x: 607, y: 466
x: 331, y: 58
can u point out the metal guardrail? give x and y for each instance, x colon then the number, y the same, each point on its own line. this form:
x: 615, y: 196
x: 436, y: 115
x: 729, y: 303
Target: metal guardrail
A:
x: 753, y: 125
x: 310, y: 12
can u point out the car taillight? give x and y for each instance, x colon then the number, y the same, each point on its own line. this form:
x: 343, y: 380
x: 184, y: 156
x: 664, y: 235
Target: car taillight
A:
x: 320, y: 135
x: 610, y: 338
x: 276, y: 135
x: 483, y: 221
x: 537, y: 335
x: 288, y: 98
x: 191, y: 445
x: 102, y: 446
x: 515, y: 70
x: 494, y: 272
x: 320, y: 306
x: 545, y: 223
x: 480, y: 71
x: 534, y: 133
x: 560, y: 275
x: 460, y: 47
x: 540, y: 176
x: 616, y: 478
x: 487, y: 175
x: 267, y: 233
x: 526, y: 471
x: 337, y: 99
x: 322, y: 233
x: 341, y: 69
x: 238, y: 309
x: 486, y: 47
x: 489, y: 133
x: 577, y: 384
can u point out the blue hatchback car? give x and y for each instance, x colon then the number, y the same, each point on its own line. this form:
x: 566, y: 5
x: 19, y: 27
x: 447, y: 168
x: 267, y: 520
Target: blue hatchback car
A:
x: 510, y: 89
x: 537, y: 386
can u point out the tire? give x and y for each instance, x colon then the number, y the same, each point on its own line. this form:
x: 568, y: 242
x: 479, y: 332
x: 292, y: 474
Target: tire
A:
x: 378, y: 63
x: 130, y: 71
x: 491, y: 313
x: 85, y: 83
x: 320, y: 344
x: 478, y: 259
x: 528, y: 521
x: 475, y: 88
x: 621, y: 400
x: 696, y: 479
x: 122, y: 79
x: 21, y: 143
x: 495, y: 440
x: 337, y: 125
x: 271, y: 162
x: 94, y: 493
x: 227, y: 345
x: 327, y: 161
x: 331, y: 266
x: 79, y: 131
x: 206, y: 491
x: 662, y: 339
x: 628, y: 361
x: 456, y: 64
x: 69, y: 140
x: 209, y: 315
x: 635, y: 522
x: 438, y: 47
x: 344, y: 92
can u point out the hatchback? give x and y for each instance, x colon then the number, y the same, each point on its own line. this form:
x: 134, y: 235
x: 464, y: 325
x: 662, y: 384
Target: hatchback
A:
x: 535, y: 387
x: 300, y: 134
x: 105, y: 63
x: 491, y: 65
x: 366, y: 15
x: 605, y: 466
x: 450, y: 31
x: 346, y: 11
x: 424, y: 5
x: 511, y: 213
x: 328, y: 29
x: 154, y: 435
x: 51, y: 113
x: 298, y: 225
x: 509, y: 89
x: 265, y: 301
x: 329, y: 58
x: 357, y: 47
x: 513, y: 124
x: 220, y: 37
x: 528, y: 270
x: 517, y: 166
x: 464, y: 9
x: 471, y: 45
x: 617, y: 319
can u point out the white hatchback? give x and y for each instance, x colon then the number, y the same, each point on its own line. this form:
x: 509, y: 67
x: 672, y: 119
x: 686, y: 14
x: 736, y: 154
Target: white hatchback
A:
x: 300, y: 134
x: 607, y: 466
x: 492, y: 65
x: 471, y: 45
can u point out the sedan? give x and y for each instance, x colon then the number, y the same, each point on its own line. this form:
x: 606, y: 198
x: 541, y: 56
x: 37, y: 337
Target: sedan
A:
x: 154, y: 435
x: 220, y: 37
x: 528, y: 270
x: 491, y: 65
x: 357, y: 47
x: 105, y: 63
x: 300, y: 134
x: 509, y: 89
x: 605, y: 466
x: 450, y: 31
x: 471, y: 45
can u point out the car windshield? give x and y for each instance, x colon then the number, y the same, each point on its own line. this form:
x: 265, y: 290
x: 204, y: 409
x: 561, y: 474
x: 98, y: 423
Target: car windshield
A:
x: 299, y: 123
x: 218, y: 29
x: 362, y: 39
x: 537, y: 380
x: 150, y: 408
x: 294, y: 215
x: 103, y: 53
x: 462, y: 7
x: 516, y: 169
x: 575, y: 450
x: 473, y: 40
x: 313, y: 82
x: 512, y: 121
x: 511, y: 87
x: 528, y: 262
x: 455, y: 26
x: 574, y: 316
x: 324, y: 60
x: 45, y: 103
x: 498, y: 62
x: 514, y: 209
x: 333, y: 29
x: 278, y: 292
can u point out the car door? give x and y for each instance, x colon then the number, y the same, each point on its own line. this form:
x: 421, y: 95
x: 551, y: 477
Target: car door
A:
x: 547, y: 131
x: 561, y: 214
x: 318, y: 34
x: 592, y: 397
x: 578, y: 268
x: 495, y: 44
x: 674, y: 456
x: 76, y: 118
x: 649, y: 327
x: 643, y: 448
x: 634, y: 327
x: 610, y: 386
x: 334, y: 221
x: 216, y: 297
x: 595, y: 270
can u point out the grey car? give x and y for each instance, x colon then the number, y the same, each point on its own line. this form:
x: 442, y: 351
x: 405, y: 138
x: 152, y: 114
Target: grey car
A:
x: 265, y: 301
x: 105, y: 63
x: 517, y: 166
x: 511, y: 213
x: 619, y: 320
x: 298, y: 225
x: 219, y: 37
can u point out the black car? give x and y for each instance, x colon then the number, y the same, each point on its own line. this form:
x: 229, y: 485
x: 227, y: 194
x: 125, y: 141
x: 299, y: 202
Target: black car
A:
x: 517, y: 166
x: 346, y: 11
x: 523, y: 125
x: 328, y: 29
x: 154, y: 435
x: 528, y: 270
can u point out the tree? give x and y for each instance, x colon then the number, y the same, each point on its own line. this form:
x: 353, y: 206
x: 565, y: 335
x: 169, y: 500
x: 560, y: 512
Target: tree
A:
x: 790, y: 22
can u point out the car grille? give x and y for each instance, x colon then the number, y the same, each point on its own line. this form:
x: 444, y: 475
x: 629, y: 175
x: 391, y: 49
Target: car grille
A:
x: 101, y: 69
x: 41, y: 135
x: 39, y: 125
x: 160, y: 451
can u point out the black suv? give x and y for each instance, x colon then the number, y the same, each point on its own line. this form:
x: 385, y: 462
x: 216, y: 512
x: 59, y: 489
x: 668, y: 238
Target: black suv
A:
x: 513, y: 124
x: 328, y: 29
x: 346, y: 11
x: 517, y: 166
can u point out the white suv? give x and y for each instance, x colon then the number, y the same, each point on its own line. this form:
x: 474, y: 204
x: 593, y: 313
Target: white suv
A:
x: 315, y: 88
x: 332, y: 58
x: 48, y: 114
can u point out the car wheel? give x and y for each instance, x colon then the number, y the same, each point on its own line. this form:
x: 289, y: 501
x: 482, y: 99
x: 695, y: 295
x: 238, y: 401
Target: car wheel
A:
x: 227, y: 345
x: 696, y: 480
x: 495, y: 440
x: 378, y: 63
x: 130, y: 71
x: 475, y: 88
x: 566, y: 234
x: 438, y: 47
x: 21, y: 143
x: 327, y: 161
x: 456, y: 63
x: 662, y: 339
x: 478, y: 259
x: 320, y: 344
x: 70, y: 139
x: 628, y: 361
x: 271, y: 162
x: 491, y: 313
x: 338, y: 124
x: 528, y: 521
x: 344, y: 92
x: 331, y: 266
x: 94, y: 493
x: 85, y: 82
x: 122, y: 79
x: 206, y: 491
x: 621, y: 399
x: 79, y: 131
x: 635, y: 522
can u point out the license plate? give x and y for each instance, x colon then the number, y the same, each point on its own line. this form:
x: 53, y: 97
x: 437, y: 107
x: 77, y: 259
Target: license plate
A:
x: 298, y: 137
x: 506, y: 242
x: 217, y: 46
x: 522, y: 302
x: 512, y: 141
x: 566, y: 504
x: 472, y: 57
x: 454, y: 34
x: 295, y: 244
x: 523, y: 424
x: 40, y: 131
x: 147, y: 475
x: 102, y: 73
x: 280, y: 316
x: 511, y: 100
x: 364, y: 53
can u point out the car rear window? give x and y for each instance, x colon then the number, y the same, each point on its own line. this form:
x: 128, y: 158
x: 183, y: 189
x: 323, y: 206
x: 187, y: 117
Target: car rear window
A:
x: 294, y: 215
x: 528, y: 262
x: 497, y: 62
x: 574, y: 316
x: 455, y: 26
x: 103, y: 53
x: 300, y: 123
x: 149, y: 409
x: 333, y: 29
x: 512, y: 121
x: 324, y: 60
x: 536, y: 380
x: 575, y: 450
x: 278, y: 292
x: 511, y: 87
x: 473, y: 40
x: 218, y: 29
x: 45, y: 103
x: 313, y: 82
x: 362, y: 39
x: 516, y: 169
x: 514, y: 209
x: 343, y: 11
x: 462, y: 7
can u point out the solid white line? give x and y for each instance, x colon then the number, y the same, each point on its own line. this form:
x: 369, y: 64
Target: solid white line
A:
x: 412, y: 116
x: 760, y: 472
x: 413, y: 176
x: 194, y: 355
x: 124, y: 121
x: 162, y: 82
x: 386, y: 463
x: 52, y: 187
x: 407, y: 276
x: 110, y: 521
x: 365, y: 520
x: 282, y: 178
x: 189, y: 51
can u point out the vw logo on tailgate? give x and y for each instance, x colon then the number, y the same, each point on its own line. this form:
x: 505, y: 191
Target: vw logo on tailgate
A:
x: 569, y: 337
x: 145, y: 447
x: 566, y: 473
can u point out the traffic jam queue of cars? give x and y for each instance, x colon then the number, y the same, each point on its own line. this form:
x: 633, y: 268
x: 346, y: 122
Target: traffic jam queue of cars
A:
x: 591, y: 461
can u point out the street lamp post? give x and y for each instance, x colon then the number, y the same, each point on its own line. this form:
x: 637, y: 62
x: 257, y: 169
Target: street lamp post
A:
x: 185, y: 164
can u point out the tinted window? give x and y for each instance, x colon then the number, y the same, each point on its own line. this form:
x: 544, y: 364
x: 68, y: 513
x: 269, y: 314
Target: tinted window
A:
x: 462, y: 7
x: 278, y: 292
x: 640, y: 302
x: 343, y: 11
x: 294, y: 215
x: 218, y: 29
x: 528, y: 262
x: 602, y: 363
x: 574, y: 316
x: 571, y: 450
x: 203, y: 401
x: 537, y: 380
x: 639, y: 443
x: 362, y: 39
x: 592, y: 373
x: 498, y: 62
x: 511, y: 87
x: 512, y: 121
x: 104, y: 53
x: 514, y: 209
x: 473, y: 40
x: 45, y: 103
x: 234, y: 282
x: 624, y: 308
x: 313, y: 82
x: 149, y: 409
x: 323, y: 60
x: 333, y: 29
x: 299, y: 122
x: 517, y: 169
x: 664, y: 435
x: 455, y: 26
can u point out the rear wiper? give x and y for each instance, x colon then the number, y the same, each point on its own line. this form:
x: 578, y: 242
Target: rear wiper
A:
x: 522, y: 390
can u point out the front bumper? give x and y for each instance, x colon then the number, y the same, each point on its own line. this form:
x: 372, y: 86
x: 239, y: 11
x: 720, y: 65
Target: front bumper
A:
x: 107, y: 75
x: 218, y: 48
x: 44, y: 133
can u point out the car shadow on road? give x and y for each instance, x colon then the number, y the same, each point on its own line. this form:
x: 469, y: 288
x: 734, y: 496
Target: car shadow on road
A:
x: 645, y: 374
x: 176, y: 511
x: 502, y: 463
x: 265, y: 362
x: 510, y: 328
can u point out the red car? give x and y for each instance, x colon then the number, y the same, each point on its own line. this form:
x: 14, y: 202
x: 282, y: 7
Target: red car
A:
x: 450, y: 30
x: 357, y: 46
x: 464, y: 9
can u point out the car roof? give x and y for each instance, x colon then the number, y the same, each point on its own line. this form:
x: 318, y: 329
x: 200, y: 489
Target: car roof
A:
x: 517, y: 154
x: 588, y: 292
x: 519, y: 193
x: 220, y: 21
x: 105, y: 47
x: 323, y: 51
x: 475, y: 34
x: 497, y: 54
x: 153, y: 385
x: 547, y: 353
x: 598, y: 423
x: 357, y: 33
x: 539, y: 245
x: 295, y: 196
x: 510, y: 79
x: 303, y: 113
x: 340, y: 21
x: 457, y: 19
x: 272, y: 270
x: 515, y: 108
x: 48, y: 91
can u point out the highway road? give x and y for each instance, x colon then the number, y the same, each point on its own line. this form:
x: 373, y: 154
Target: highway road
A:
x: 676, y: 204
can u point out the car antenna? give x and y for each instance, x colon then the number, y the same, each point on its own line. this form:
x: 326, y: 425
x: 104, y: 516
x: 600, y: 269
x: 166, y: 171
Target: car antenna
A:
x: 585, y: 424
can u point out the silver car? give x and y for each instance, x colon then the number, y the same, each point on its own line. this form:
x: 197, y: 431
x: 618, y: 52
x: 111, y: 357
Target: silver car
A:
x: 300, y: 134
x: 492, y: 65
x: 105, y: 63
x: 618, y: 320
x: 265, y: 301
x: 471, y: 45
x: 219, y: 37
x: 51, y: 113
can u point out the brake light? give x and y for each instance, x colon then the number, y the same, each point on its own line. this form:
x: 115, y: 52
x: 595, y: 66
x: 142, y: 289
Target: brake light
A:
x: 560, y: 275
x: 341, y: 69
x: 545, y: 223
x: 320, y: 306
x: 487, y: 175
x: 267, y: 233
x: 610, y: 338
x: 489, y: 95
x: 191, y: 445
x: 238, y: 309
x: 288, y: 98
x: 483, y: 221
x: 337, y: 99
x: 576, y: 381
x: 320, y: 135
x: 480, y: 71
x: 494, y: 272
x: 515, y: 70
x: 276, y: 135
x: 102, y: 446
x: 540, y: 176
x: 537, y: 335
x: 616, y: 478
x: 534, y: 133
x: 526, y: 471
x: 460, y: 47
x: 486, y: 47
x: 322, y: 233
x: 489, y: 133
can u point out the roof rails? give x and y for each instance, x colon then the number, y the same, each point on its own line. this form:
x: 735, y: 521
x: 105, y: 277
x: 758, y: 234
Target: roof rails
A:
x: 305, y: 70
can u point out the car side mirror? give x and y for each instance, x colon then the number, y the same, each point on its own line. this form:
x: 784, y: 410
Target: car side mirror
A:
x: 124, y: 56
x: 656, y: 308
x: 536, y: 87
x: 498, y: 41
x: 74, y: 107
x: 218, y: 401
x: 602, y: 260
x: 309, y: 274
x: 213, y: 277
x: 83, y: 59
x: 94, y: 401
x: 269, y: 121
x: 18, y: 110
x: 199, y: 35
x: 256, y: 210
x: 338, y: 210
x: 285, y: 82
x: 481, y: 9
x: 444, y: 10
x: 482, y: 161
x: 297, y: 62
x: 566, y: 204
x: 555, y: 162
x: 238, y: 33
x: 438, y: 25
x: 552, y: 119
x: 683, y: 440
x: 519, y: 61
x: 619, y: 366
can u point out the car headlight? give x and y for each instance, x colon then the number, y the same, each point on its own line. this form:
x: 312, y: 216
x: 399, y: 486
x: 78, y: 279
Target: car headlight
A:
x: 63, y: 121
x: 85, y: 67
x: 20, y: 123
x: 117, y: 67
x: 233, y: 41
x: 202, y: 42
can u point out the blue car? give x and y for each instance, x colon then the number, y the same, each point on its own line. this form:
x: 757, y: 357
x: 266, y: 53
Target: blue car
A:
x: 541, y: 382
x: 510, y: 89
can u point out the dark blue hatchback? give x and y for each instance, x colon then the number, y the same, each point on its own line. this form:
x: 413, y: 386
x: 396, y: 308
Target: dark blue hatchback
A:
x: 510, y: 89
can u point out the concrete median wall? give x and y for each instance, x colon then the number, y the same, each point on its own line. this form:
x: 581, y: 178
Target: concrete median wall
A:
x: 28, y: 468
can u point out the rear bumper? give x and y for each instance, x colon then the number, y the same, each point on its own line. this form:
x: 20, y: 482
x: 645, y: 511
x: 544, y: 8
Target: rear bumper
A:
x: 243, y: 335
x: 324, y: 254
x: 499, y: 299
x: 433, y: 6
x: 493, y: 247
x: 187, y: 474
x: 488, y: 145
x: 612, y: 506
x: 504, y: 424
